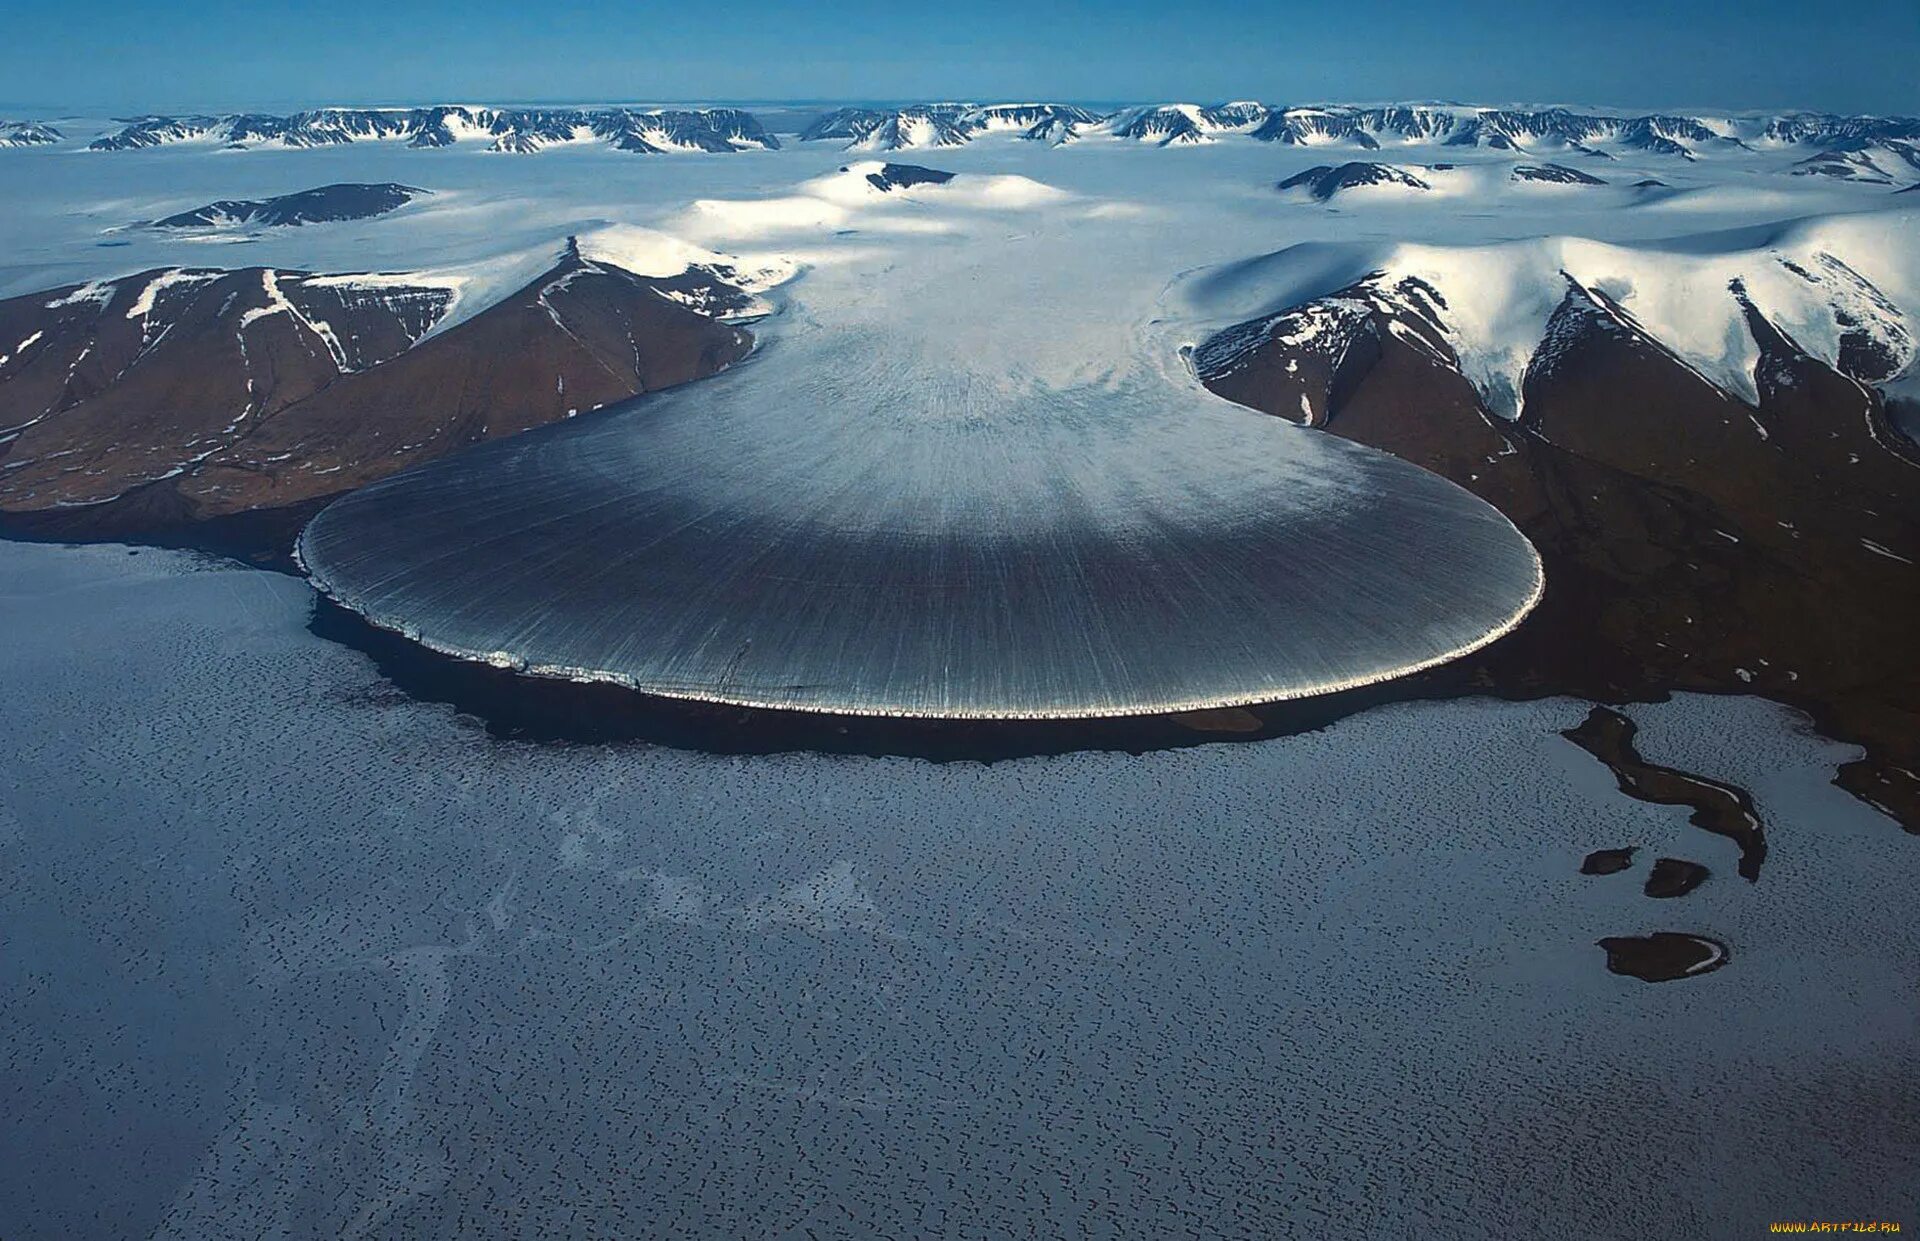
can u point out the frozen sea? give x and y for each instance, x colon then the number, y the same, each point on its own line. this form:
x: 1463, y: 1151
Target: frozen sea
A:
x: 288, y: 954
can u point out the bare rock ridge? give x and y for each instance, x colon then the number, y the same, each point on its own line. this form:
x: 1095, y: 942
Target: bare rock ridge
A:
x: 1692, y: 539
x: 197, y: 393
x: 324, y: 204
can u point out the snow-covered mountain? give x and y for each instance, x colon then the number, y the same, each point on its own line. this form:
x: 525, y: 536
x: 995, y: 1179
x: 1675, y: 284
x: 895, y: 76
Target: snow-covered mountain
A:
x: 1844, y: 166
x: 1837, y: 132
x: 1875, y: 147
x: 1697, y: 436
x: 1163, y: 124
x: 936, y: 124
x: 1024, y: 116
x: 1845, y: 290
x: 1175, y: 124
x: 322, y: 205
x: 27, y: 134
x: 1521, y: 130
x: 911, y: 129
x: 520, y: 130
x: 866, y: 196
x: 1497, y: 128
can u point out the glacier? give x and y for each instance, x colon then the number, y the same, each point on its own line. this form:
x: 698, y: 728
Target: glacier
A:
x: 912, y: 505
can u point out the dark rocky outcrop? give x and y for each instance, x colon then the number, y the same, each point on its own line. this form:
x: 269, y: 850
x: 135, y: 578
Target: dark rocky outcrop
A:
x: 903, y: 176
x: 1553, y: 174
x: 324, y: 204
x: 1607, y: 861
x: 1663, y: 956
x: 1323, y: 181
x: 1719, y: 808
x: 1673, y: 877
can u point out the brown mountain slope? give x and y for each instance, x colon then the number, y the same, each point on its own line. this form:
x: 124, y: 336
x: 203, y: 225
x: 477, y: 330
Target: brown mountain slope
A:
x: 1691, y: 541
x: 197, y: 394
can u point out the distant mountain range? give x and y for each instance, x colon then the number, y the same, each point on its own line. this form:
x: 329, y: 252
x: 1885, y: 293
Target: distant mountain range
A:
x: 1856, y: 147
x: 519, y: 130
x: 1370, y: 128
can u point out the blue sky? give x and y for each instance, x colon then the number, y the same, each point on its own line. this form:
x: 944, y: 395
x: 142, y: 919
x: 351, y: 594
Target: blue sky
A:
x: 1858, y: 56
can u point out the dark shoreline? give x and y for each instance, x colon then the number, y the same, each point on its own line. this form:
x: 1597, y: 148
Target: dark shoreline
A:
x: 512, y: 706
x: 259, y: 539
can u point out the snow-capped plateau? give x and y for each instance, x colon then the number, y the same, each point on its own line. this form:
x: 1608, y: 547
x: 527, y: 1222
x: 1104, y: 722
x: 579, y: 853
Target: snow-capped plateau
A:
x: 1701, y: 435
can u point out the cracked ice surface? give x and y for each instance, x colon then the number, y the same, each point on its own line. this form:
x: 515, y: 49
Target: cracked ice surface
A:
x: 287, y: 954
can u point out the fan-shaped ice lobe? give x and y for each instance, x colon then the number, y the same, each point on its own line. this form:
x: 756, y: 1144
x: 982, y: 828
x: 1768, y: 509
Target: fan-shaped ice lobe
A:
x: 903, y: 509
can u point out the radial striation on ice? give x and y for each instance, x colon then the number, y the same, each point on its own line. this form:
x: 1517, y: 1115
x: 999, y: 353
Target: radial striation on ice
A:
x: 838, y: 529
